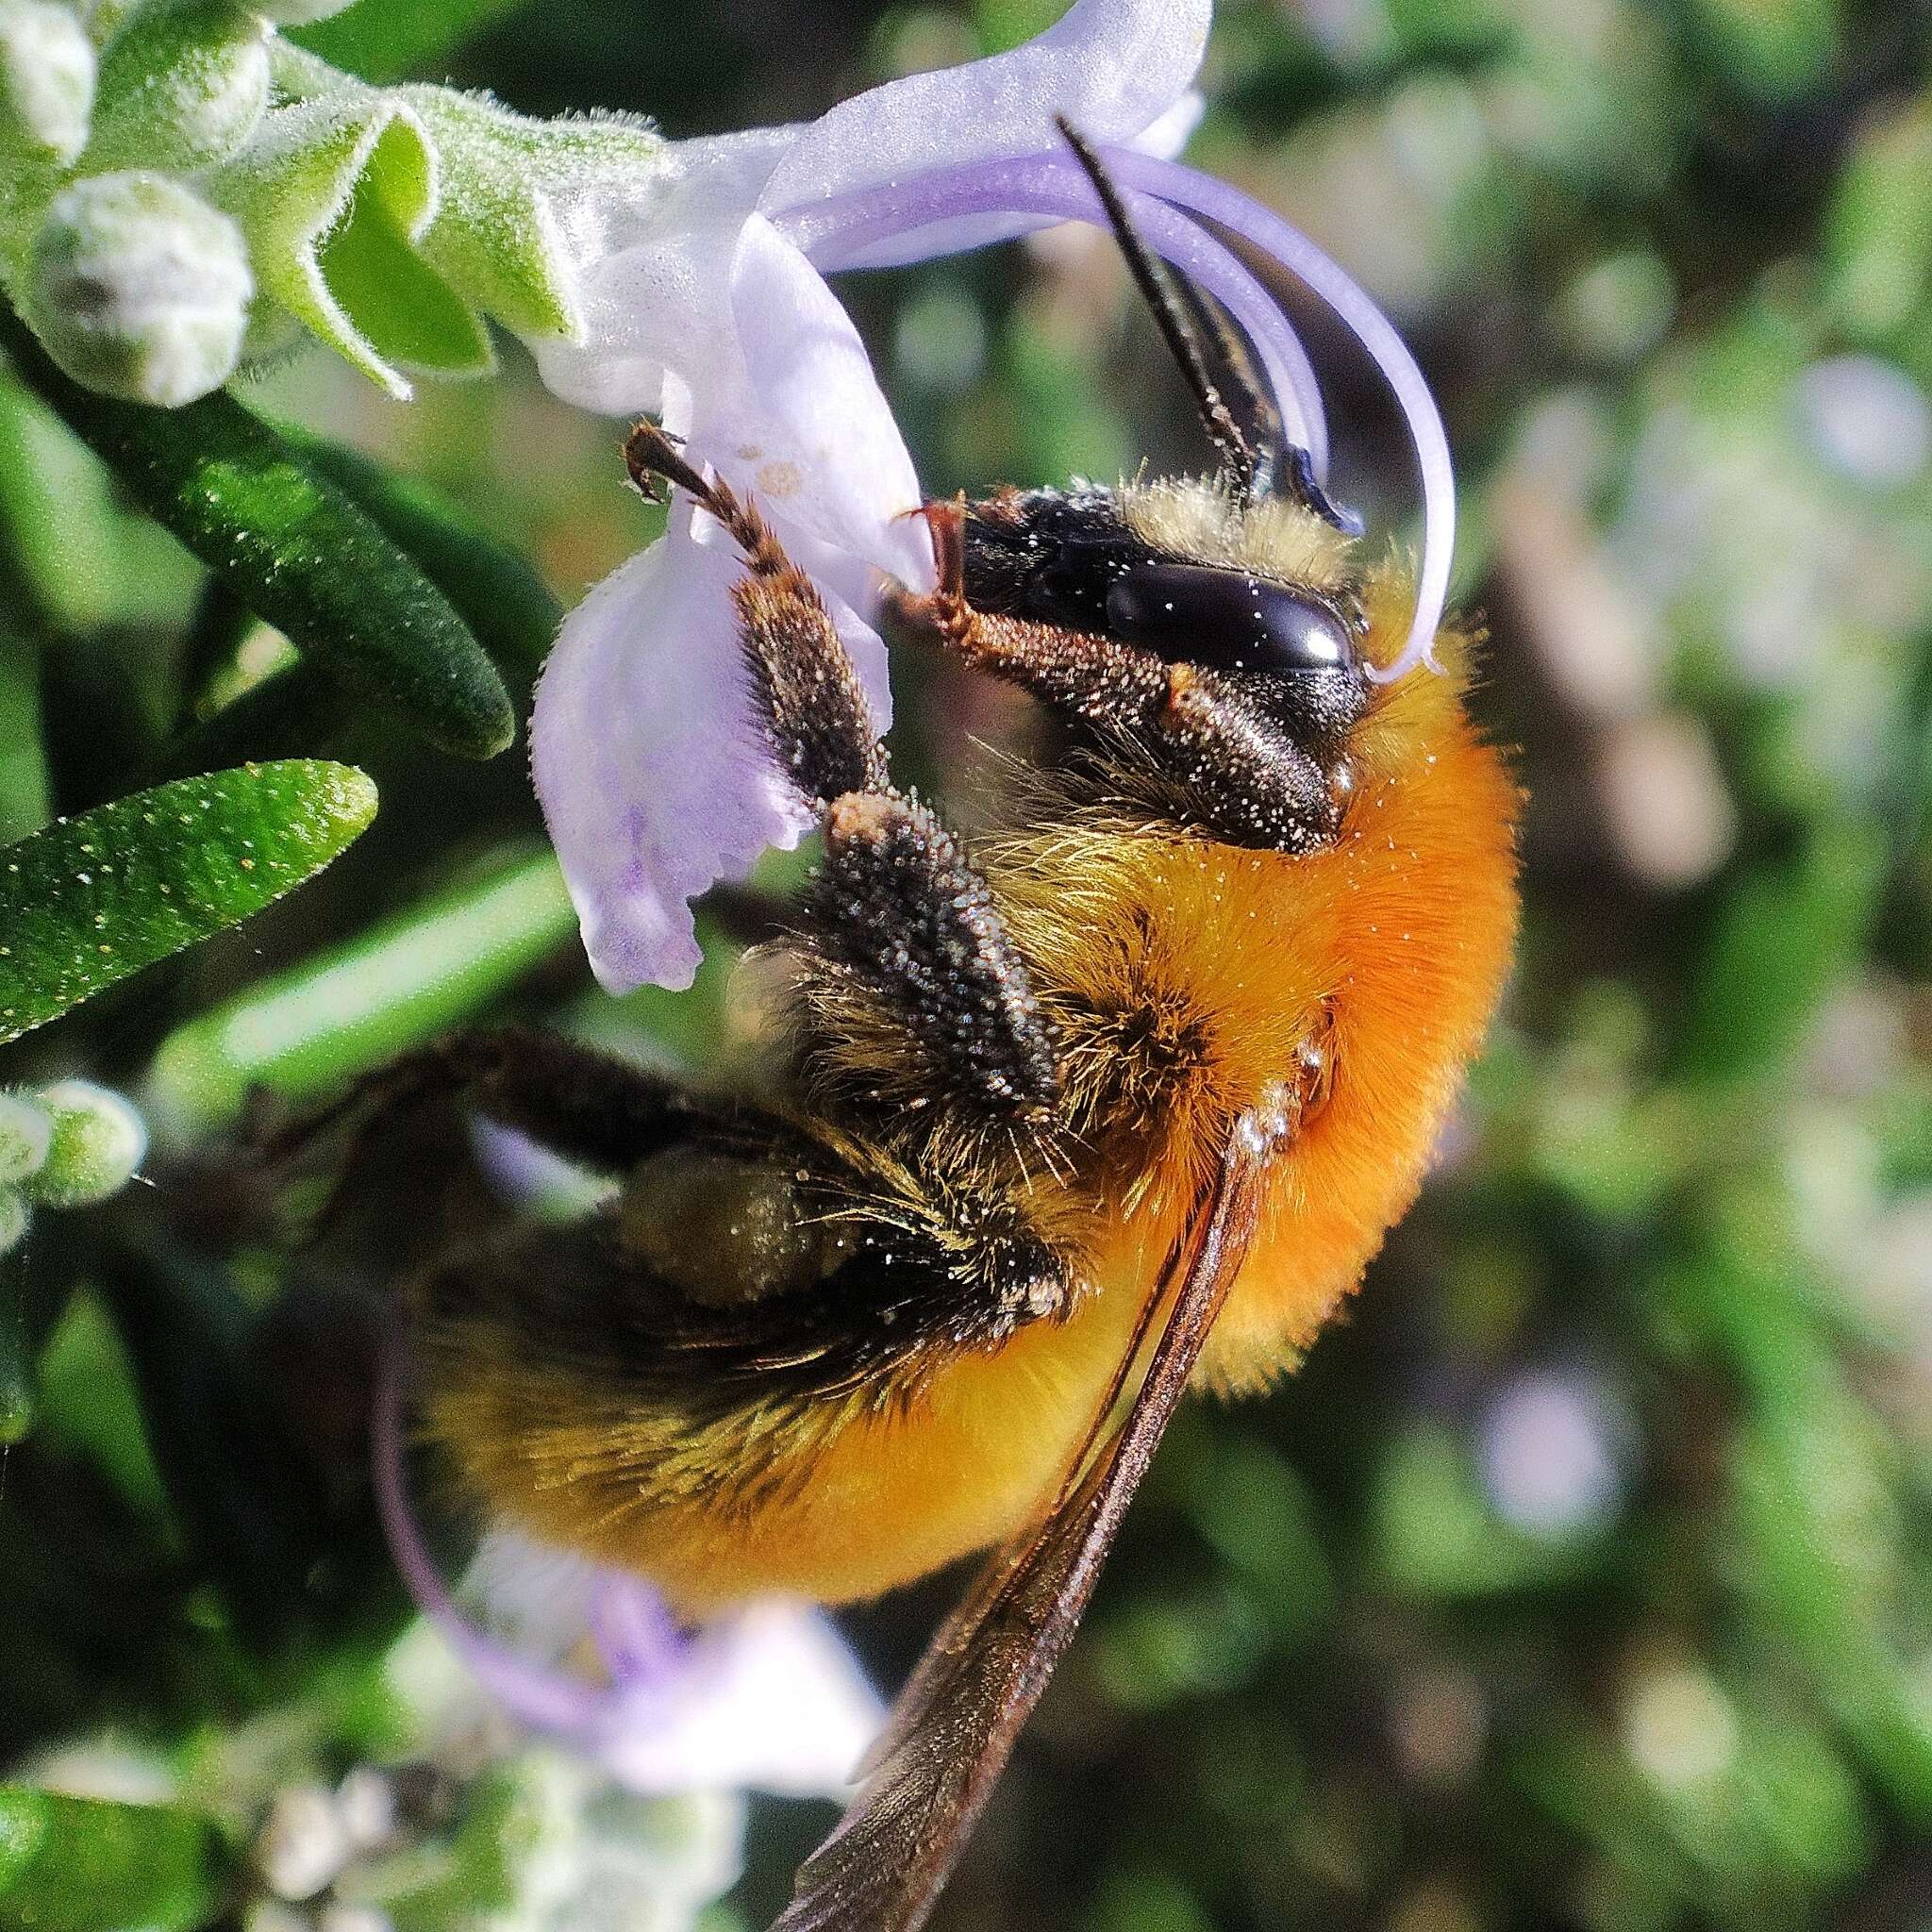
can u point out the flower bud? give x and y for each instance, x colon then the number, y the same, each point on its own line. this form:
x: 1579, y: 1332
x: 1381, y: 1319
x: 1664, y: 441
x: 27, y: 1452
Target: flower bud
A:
x: 25, y: 1134
x: 46, y: 81
x: 138, y: 289
x: 182, y: 86
x: 14, y: 1216
x: 97, y: 1143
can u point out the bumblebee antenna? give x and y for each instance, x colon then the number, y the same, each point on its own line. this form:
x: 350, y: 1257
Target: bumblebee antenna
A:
x: 1179, y: 328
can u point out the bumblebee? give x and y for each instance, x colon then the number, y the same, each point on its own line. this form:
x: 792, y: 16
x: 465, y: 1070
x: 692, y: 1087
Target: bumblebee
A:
x: 1121, y: 1099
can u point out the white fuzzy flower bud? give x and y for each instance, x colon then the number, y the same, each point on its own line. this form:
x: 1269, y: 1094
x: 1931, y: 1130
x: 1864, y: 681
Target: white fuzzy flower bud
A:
x: 138, y: 289
x: 98, y: 1141
x: 25, y: 1133
x: 46, y: 81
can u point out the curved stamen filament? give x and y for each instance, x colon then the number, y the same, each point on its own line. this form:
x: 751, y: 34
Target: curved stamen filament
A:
x: 838, y: 233
x: 545, y: 1699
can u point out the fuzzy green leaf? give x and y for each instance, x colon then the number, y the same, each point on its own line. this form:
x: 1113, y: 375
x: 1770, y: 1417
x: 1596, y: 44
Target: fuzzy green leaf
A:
x: 386, y: 43
x: 496, y: 235
x: 88, y: 900
x: 294, y: 550
x: 332, y: 193
x: 80, y: 1865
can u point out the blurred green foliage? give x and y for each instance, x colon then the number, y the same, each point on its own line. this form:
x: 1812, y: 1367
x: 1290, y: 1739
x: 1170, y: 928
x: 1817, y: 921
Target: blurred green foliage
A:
x: 1583, y: 1577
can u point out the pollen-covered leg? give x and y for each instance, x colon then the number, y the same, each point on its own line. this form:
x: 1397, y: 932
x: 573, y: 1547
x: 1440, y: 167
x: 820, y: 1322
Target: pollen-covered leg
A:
x: 896, y: 906
x: 808, y: 690
x: 904, y: 925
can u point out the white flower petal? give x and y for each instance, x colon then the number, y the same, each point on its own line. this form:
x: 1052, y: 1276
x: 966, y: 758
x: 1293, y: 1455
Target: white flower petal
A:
x: 804, y: 426
x: 654, y: 256
x: 655, y: 776
x: 772, y: 1700
x: 1112, y: 67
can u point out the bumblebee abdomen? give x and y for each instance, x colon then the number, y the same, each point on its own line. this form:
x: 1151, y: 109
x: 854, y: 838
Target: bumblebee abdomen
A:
x: 831, y: 1496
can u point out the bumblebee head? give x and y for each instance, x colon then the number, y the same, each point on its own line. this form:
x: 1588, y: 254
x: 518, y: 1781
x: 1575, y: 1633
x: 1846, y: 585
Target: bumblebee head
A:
x: 1253, y: 598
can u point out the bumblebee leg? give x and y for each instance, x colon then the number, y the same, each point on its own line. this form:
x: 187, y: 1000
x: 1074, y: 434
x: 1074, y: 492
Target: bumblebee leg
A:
x: 896, y: 905
x: 582, y: 1103
x: 804, y: 682
x: 1092, y: 678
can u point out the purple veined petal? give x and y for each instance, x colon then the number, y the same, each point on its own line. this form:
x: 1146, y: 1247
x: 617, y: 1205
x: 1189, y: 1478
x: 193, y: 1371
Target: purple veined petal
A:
x: 1114, y: 67
x: 926, y: 215
x: 653, y: 773
x: 655, y: 777
x: 1241, y: 215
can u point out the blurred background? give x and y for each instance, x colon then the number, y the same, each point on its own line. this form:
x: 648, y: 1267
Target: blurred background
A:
x: 1582, y: 1577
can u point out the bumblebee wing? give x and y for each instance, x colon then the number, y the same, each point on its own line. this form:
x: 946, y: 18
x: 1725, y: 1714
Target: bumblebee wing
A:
x: 883, y: 1867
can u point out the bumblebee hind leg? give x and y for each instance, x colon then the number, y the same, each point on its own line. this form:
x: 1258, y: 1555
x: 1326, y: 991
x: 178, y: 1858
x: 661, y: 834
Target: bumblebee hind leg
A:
x: 601, y: 1112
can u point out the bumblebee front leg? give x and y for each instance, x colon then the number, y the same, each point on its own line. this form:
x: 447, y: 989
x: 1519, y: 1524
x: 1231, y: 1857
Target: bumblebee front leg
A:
x: 896, y: 911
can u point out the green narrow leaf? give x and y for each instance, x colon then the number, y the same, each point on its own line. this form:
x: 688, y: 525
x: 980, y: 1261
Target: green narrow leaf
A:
x: 386, y: 43
x: 88, y: 900
x: 294, y: 549
x: 359, y: 1006
x: 495, y: 590
x: 80, y: 1865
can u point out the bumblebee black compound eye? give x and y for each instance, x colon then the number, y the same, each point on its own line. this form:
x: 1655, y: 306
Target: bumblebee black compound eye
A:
x: 1225, y: 619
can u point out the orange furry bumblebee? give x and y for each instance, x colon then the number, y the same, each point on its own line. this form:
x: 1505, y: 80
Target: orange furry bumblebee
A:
x: 1125, y: 1097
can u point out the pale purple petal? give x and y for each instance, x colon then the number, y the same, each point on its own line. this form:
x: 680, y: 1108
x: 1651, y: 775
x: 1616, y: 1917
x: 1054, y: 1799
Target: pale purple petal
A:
x: 796, y: 417
x: 654, y: 268
x: 928, y: 213
x: 1168, y: 135
x: 655, y: 776
x: 768, y: 1698
x: 1113, y: 67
